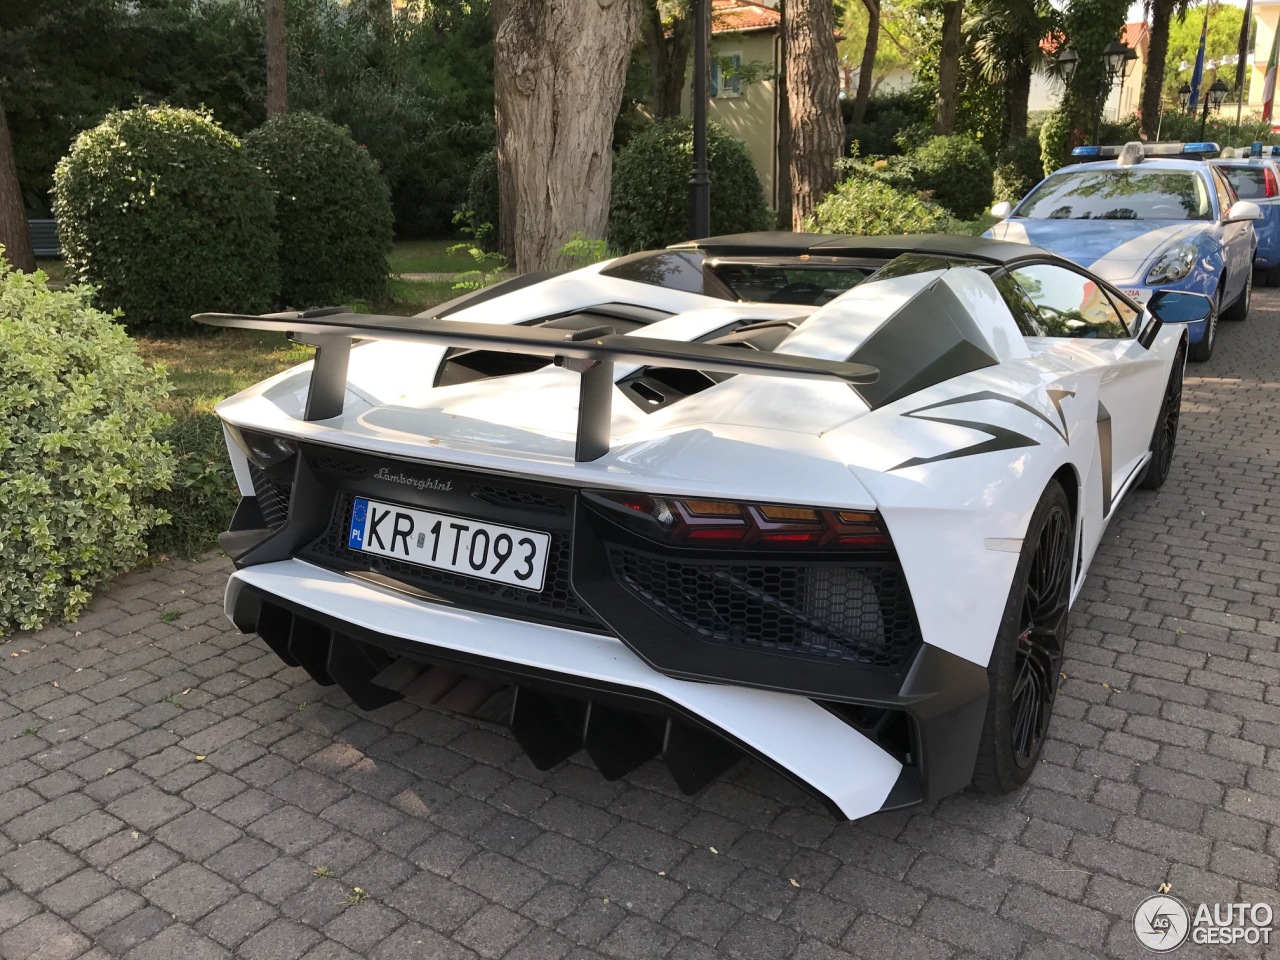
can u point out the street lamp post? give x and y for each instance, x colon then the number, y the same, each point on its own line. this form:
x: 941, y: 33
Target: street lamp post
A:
x: 1115, y: 63
x: 699, y: 176
x: 1217, y: 93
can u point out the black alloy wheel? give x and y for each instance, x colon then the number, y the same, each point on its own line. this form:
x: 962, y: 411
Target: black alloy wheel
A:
x: 1165, y: 437
x: 1026, y: 662
x: 1038, y: 656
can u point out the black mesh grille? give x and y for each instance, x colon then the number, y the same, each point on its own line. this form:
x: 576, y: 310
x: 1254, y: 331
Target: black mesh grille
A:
x: 860, y: 612
x: 510, y: 497
x: 555, y: 603
x: 273, y: 498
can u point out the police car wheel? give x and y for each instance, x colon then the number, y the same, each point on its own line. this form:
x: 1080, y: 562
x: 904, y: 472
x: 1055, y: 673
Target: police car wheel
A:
x: 1240, y: 309
x: 1202, y: 351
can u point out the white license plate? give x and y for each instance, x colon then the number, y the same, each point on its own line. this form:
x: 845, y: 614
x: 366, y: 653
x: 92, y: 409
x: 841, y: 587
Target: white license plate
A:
x: 475, y: 548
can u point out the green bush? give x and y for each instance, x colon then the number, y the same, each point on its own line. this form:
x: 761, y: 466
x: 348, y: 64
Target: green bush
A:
x: 1018, y: 169
x: 333, y: 214
x: 163, y: 212
x: 202, y: 493
x: 78, y: 456
x: 481, y: 212
x: 958, y: 172
x: 650, y: 203
x: 1055, y: 133
x: 869, y: 207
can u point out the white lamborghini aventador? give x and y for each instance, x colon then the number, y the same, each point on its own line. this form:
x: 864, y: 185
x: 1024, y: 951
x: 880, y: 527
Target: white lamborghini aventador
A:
x: 822, y: 500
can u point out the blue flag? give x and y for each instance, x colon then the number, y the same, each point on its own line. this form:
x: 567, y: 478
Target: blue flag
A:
x: 1197, y: 75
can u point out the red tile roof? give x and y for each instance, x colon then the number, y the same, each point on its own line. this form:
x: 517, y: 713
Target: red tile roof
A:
x: 742, y: 16
x: 1132, y: 33
x: 1129, y: 36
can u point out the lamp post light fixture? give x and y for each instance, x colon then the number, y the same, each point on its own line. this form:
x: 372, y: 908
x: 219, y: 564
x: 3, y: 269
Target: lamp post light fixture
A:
x: 1217, y: 93
x: 1115, y: 63
x: 1184, y: 96
x: 1067, y: 60
x: 1113, y: 57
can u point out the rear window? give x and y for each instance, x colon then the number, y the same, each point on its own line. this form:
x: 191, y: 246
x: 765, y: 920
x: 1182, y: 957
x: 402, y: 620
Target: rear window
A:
x: 1250, y: 182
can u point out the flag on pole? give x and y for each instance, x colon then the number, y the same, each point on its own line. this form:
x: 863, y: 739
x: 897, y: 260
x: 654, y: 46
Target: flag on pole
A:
x: 1197, y: 75
x: 1242, y: 50
x: 1269, y: 84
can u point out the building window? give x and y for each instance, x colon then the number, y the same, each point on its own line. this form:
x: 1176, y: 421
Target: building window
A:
x: 726, y: 74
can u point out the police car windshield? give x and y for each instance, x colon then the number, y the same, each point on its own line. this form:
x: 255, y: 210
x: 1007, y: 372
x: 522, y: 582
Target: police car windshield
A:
x: 1118, y: 194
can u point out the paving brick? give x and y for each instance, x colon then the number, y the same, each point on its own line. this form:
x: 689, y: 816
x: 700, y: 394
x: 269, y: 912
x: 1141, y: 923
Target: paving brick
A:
x: 189, y: 891
x: 110, y: 909
x: 179, y: 941
x: 45, y: 937
x: 878, y: 939
x: 198, y: 835
x: 72, y: 894
x: 36, y: 865
x: 237, y: 920
x: 279, y: 940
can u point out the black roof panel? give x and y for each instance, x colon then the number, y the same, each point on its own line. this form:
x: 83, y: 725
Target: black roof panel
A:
x: 780, y: 243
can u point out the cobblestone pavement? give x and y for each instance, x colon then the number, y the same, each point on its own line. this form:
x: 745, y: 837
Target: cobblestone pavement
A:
x: 169, y: 790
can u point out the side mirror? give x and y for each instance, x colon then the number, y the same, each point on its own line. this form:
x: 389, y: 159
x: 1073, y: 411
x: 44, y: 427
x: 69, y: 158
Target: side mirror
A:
x: 1004, y: 208
x: 1243, y: 210
x: 1174, y: 306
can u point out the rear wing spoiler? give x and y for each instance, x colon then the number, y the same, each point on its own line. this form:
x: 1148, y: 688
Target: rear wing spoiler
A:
x: 591, y: 353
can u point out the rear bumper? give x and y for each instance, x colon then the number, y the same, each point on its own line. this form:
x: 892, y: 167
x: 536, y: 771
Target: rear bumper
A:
x: 576, y: 690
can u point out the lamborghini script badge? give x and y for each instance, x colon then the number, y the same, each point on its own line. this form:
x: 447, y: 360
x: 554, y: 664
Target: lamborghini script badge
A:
x: 418, y: 483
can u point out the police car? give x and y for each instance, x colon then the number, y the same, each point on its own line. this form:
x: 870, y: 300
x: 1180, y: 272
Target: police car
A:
x: 1254, y: 172
x: 1147, y: 217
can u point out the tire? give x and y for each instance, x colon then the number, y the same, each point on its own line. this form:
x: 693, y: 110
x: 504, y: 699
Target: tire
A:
x: 1240, y: 309
x: 1202, y: 351
x: 1027, y: 659
x: 1165, y: 436
x: 1272, y: 276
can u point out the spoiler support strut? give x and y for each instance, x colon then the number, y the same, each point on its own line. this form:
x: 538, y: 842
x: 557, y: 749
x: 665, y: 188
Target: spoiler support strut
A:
x: 589, y: 353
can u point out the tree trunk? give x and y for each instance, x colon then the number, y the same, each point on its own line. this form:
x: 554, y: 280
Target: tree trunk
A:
x: 949, y: 69
x: 13, y: 219
x: 1153, y: 77
x: 277, y: 60
x: 668, y: 58
x: 868, y: 60
x: 813, y: 99
x: 559, y: 71
x: 782, y: 162
x: 1017, y: 96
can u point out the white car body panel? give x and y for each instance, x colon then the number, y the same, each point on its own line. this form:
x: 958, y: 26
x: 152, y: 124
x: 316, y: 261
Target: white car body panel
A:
x: 955, y: 470
x: 777, y: 724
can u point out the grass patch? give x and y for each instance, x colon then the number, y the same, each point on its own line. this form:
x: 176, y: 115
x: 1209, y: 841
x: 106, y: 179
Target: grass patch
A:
x: 203, y: 370
x: 427, y: 256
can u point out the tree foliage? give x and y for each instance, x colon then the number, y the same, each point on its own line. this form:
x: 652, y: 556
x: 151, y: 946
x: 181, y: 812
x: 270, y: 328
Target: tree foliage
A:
x: 67, y: 63
x: 79, y: 460
x: 165, y: 214
x: 866, y: 206
x: 649, y: 207
x: 1184, y: 41
x: 333, y: 214
x: 416, y: 87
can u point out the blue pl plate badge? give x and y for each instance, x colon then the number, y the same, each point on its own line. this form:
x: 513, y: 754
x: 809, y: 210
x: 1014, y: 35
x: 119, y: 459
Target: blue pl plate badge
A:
x: 356, y: 539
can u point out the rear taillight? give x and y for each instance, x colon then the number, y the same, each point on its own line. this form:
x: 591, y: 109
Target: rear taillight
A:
x: 730, y: 523
x: 1269, y: 182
